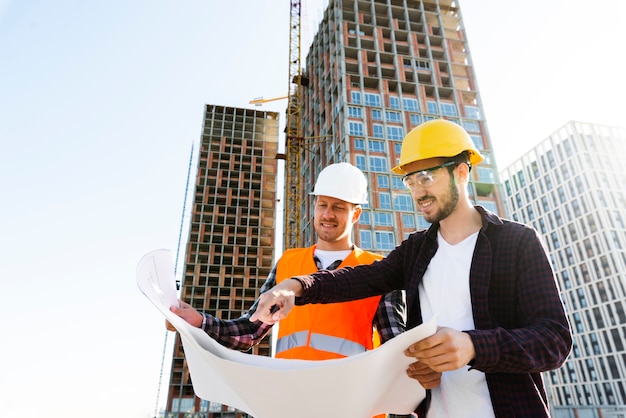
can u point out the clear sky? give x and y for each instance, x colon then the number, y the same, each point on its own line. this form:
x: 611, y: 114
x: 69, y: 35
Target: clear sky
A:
x: 100, y: 104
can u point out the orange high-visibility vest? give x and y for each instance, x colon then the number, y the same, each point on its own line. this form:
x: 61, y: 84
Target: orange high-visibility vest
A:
x: 325, y: 331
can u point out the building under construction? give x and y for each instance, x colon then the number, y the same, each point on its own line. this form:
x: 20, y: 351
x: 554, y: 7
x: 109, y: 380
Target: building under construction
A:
x: 375, y: 70
x: 230, y: 250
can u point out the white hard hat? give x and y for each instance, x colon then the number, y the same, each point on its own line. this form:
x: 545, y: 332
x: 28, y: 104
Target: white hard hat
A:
x: 342, y: 181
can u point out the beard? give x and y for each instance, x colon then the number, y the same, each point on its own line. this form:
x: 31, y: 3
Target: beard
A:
x: 447, y: 203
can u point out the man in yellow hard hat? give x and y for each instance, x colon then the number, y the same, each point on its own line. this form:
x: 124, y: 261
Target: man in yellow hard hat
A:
x: 319, y: 332
x: 489, y: 280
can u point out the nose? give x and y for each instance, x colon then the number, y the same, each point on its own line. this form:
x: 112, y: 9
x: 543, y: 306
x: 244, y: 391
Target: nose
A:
x: 417, y: 191
x: 328, y: 213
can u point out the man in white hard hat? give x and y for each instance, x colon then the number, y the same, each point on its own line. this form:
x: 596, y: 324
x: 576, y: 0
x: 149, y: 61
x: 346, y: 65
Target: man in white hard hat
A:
x: 319, y: 332
x: 501, y: 319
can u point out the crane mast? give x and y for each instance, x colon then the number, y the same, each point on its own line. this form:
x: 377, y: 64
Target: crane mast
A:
x: 294, y: 137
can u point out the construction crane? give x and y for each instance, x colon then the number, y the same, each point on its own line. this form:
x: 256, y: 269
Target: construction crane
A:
x: 260, y: 100
x: 294, y: 139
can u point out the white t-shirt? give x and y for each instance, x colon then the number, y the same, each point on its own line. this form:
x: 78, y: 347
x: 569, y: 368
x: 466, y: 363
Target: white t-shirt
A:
x: 329, y: 257
x: 444, y: 291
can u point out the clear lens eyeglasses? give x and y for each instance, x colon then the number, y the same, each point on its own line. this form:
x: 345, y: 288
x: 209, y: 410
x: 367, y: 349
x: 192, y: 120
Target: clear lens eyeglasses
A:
x: 424, y: 178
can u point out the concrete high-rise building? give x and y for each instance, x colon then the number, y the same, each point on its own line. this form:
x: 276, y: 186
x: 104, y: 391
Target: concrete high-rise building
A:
x: 230, y: 250
x: 570, y: 187
x: 375, y: 70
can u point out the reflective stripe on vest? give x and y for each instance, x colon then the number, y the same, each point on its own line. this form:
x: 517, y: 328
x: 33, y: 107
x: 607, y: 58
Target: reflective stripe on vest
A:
x: 320, y: 342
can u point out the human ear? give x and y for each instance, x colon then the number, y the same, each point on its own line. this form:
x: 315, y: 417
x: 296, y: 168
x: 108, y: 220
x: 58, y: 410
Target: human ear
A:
x: 463, y: 171
x: 357, y: 214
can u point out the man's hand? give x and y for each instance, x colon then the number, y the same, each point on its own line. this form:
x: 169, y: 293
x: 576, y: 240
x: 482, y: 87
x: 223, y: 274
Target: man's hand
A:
x: 447, y: 349
x: 276, y: 303
x: 187, y: 312
x: 427, y: 377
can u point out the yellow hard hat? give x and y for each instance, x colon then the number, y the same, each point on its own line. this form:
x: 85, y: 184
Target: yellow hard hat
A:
x: 436, y: 138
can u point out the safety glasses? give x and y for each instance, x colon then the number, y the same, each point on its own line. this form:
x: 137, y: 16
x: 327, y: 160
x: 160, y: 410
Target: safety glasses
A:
x: 426, y: 177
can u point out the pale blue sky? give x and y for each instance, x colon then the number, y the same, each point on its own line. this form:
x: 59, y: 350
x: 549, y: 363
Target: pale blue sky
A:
x: 100, y: 103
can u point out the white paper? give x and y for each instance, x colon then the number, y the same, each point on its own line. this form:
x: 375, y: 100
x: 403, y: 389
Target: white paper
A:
x: 156, y: 272
x: 360, y: 386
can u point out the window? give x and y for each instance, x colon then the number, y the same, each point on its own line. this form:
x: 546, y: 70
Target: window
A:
x: 578, y: 322
x: 410, y: 104
x: 566, y: 281
x: 384, y: 240
x: 408, y: 220
x: 565, y: 171
x: 448, y: 109
x: 394, y: 132
x: 485, y: 175
x: 376, y: 146
x: 548, y: 181
x: 359, y: 144
x: 356, y: 128
x: 573, y: 233
x: 397, y: 184
x: 518, y: 199
x: 359, y: 161
x: 422, y: 223
x: 372, y: 99
x: 403, y: 202
x: 471, y: 126
x: 415, y: 119
x: 472, y: 112
x: 422, y: 65
x: 477, y: 140
x: 378, y: 131
x: 535, y: 168
x: 568, y: 147
x: 382, y: 219
x: 507, y: 185
x: 364, y: 219
x: 356, y: 97
x: 618, y: 219
x: 378, y: 165
x: 366, y: 239
x: 394, y: 102
x: 383, y: 181
x: 384, y: 201
x: 542, y: 226
x: 377, y: 114
x: 182, y: 404
x: 355, y: 112
x: 550, y: 156
x: 393, y: 116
